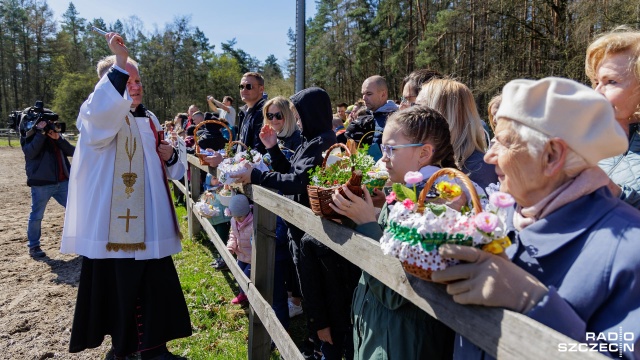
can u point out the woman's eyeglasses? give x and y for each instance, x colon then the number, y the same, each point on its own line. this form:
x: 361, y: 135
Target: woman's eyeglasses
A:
x: 388, y: 149
x: 277, y: 115
x: 408, y: 100
x: 247, y: 86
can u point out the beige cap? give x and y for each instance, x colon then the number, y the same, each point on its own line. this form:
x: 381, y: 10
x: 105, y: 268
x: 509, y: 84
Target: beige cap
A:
x: 568, y: 110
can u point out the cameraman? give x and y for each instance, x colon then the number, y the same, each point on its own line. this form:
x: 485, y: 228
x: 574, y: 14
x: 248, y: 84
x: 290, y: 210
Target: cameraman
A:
x: 47, y: 166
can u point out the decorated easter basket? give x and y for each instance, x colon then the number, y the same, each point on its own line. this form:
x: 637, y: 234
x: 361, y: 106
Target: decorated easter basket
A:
x: 204, y: 207
x: 376, y: 178
x: 235, y: 165
x: 198, y: 152
x: 415, y: 231
x: 225, y: 195
x: 321, y: 196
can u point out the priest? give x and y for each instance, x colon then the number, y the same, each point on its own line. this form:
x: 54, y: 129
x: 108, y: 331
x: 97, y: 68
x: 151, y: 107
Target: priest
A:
x: 121, y: 220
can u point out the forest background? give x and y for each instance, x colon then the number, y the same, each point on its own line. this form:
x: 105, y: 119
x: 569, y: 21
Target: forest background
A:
x: 482, y: 43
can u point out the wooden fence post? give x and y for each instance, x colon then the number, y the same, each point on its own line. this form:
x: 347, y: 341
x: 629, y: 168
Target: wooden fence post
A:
x: 262, y: 264
x: 194, y: 224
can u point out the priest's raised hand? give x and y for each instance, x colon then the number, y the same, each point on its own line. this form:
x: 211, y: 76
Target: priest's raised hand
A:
x: 118, y: 48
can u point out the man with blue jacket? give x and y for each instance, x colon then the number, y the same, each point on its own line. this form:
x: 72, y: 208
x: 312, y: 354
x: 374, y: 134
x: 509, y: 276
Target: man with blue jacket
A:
x: 47, y: 167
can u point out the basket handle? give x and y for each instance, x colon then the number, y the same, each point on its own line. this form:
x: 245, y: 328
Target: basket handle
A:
x: 475, y: 200
x: 238, y: 143
x: 365, y: 135
x: 195, y: 131
x: 326, y: 156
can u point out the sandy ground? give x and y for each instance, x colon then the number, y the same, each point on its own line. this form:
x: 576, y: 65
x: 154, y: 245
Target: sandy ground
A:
x: 37, y: 298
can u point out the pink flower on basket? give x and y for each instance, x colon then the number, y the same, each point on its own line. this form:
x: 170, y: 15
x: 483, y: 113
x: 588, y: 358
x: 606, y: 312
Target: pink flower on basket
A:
x: 391, y: 197
x: 408, y: 204
x: 227, y: 212
x: 413, y: 177
x: 486, y: 222
x: 501, y: 200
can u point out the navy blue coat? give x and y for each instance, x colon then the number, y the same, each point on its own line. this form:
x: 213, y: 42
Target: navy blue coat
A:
x: 42, y: 155
x: 588, y: 254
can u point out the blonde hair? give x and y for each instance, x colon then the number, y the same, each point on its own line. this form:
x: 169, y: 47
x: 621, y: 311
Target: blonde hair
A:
x: 620, y: 40
x: 496, y: 100
x: 108, y: 61
x: 289, y: 118
x: 455, y: 102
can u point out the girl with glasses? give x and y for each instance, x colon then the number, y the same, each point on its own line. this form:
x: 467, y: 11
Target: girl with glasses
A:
x: 415, y: 139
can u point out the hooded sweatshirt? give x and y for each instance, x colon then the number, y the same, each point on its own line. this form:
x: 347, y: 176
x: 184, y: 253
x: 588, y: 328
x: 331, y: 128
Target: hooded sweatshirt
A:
x: 290, y: 176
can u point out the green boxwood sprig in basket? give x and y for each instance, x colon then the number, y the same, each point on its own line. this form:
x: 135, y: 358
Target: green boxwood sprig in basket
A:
x: 416, y: 229
x: 326, y: 179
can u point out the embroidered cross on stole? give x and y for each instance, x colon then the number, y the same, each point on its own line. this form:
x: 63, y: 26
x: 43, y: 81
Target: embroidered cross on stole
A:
x: 126, y: 225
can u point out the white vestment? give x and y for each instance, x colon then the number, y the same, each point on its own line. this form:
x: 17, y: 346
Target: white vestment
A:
x: 86, y: 223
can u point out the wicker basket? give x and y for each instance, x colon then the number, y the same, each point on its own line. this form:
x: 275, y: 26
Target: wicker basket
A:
x: 353, y: 146
x: 225, y: 200
x: 208, y: 199
x: 320, y: 197
x: 195, y: 137
x: 475, y: 200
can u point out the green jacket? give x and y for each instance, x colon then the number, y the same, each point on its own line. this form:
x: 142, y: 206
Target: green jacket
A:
x: 388, y: 326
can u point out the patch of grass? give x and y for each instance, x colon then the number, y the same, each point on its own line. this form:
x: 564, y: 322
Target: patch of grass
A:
x: 220, y: 329
x: 15, y: 142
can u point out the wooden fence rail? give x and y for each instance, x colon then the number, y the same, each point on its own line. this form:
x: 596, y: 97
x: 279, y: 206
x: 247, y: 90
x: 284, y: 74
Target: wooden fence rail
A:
x: 501, y: 333
x: 9, y: 134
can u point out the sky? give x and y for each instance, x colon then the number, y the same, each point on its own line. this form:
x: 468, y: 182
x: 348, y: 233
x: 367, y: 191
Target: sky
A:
x: 259, y: 26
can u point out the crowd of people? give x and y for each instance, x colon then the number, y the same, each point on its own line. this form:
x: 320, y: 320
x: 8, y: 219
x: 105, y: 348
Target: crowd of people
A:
x: 567, y: 153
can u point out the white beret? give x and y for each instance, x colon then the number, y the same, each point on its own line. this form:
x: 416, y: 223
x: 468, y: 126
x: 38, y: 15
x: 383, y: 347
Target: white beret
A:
x: 566, y: 109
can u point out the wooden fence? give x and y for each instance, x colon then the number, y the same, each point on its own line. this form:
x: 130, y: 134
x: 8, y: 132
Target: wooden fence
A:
x: 9, y: 135
x: 501, y: 333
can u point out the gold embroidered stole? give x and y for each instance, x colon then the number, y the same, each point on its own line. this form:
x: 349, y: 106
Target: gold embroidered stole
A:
x: 126, y: 225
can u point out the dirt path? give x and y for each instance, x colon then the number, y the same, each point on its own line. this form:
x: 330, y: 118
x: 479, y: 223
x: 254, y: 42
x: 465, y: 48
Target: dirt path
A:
x: 37, y: 298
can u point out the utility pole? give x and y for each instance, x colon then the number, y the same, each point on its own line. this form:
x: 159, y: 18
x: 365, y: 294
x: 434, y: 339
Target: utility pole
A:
x: 300, y: 44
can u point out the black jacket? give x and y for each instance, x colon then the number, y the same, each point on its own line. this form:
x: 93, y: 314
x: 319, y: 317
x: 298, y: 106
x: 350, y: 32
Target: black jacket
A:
x: 291, y: 143
x: 327, y: 282
x: 291, y: 177
x: 46, y: 158
x: 210, y: 137
x: 372, y: 120
x: 250, y: 121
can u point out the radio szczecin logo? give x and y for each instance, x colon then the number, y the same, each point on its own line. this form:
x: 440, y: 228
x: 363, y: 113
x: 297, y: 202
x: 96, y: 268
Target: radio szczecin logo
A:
x: 612, y: 342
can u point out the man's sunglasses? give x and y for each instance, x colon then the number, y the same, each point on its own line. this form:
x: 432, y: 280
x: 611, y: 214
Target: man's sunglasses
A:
x: 248, y: 86
x: 277, y: 115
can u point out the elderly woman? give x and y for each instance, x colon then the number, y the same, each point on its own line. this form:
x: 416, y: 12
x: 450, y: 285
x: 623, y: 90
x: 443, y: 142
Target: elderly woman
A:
x: 613, y: 65
x: 574, y: 260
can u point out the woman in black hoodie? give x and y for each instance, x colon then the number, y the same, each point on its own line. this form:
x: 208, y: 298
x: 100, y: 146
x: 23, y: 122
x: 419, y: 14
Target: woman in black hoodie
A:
x: 291, y: 177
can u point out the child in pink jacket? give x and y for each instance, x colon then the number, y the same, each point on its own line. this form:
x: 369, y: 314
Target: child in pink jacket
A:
x: 240, y: 237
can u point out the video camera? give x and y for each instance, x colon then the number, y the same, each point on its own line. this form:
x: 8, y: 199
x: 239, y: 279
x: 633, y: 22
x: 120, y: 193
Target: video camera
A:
x: 32, y: 116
